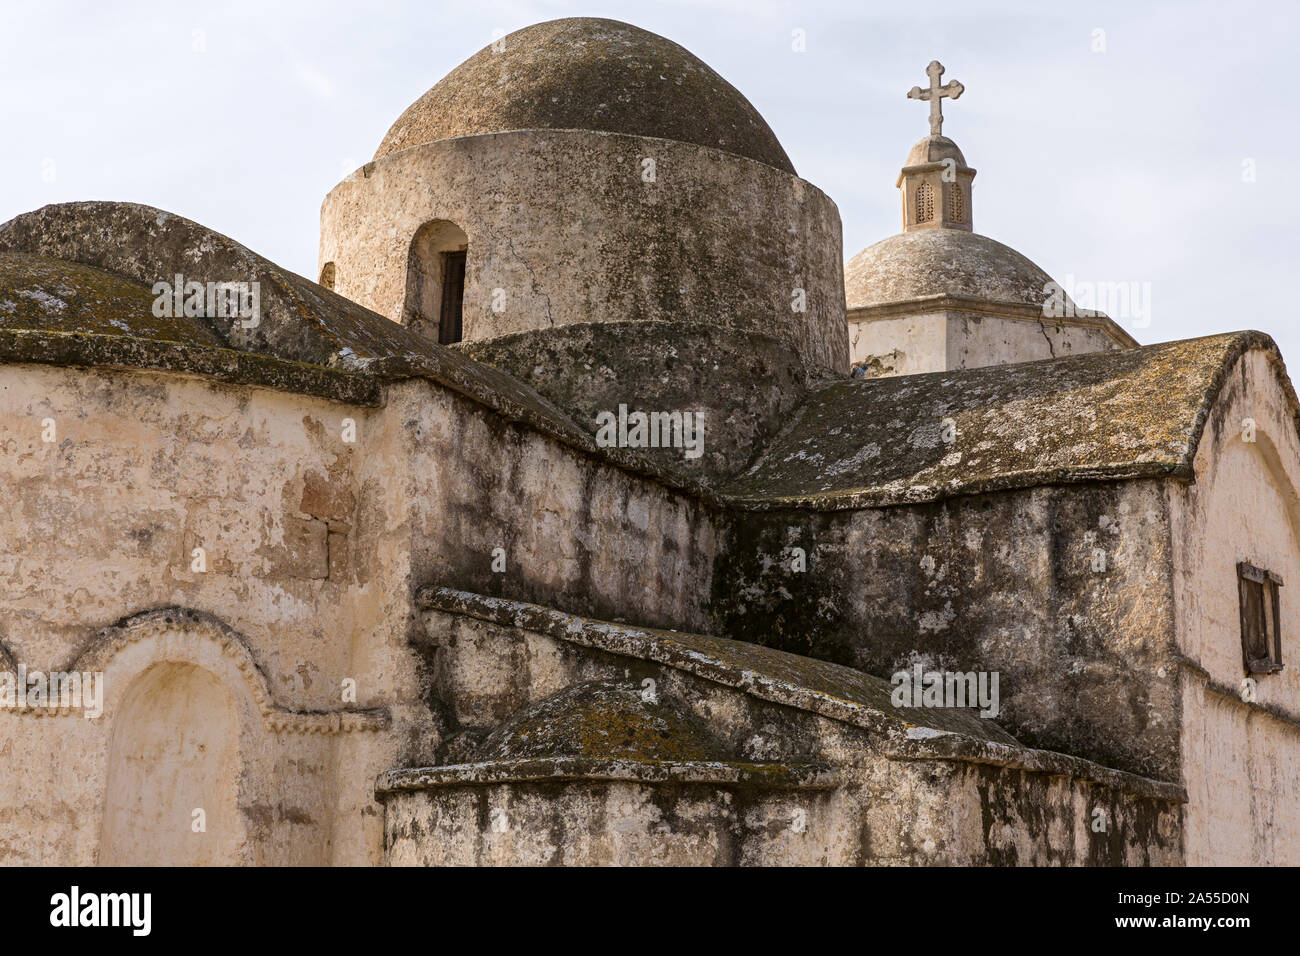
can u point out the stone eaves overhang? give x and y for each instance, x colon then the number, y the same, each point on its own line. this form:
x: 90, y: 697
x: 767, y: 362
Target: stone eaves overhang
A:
x: 767, y: 776
x: 937, y: 166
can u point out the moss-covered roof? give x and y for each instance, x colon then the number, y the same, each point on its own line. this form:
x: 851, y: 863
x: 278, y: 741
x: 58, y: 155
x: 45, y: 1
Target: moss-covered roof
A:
x: 1129, y: 413
x: 600, y: 720
x: 76, y: 283
x: 587, y: 73
x: 299, y: 320
x: 42, y: 293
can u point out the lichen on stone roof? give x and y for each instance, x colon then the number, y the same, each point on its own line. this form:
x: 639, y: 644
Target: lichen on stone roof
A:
x: 75, y: 289
x: 308, y: 340
x: 585, y: 73
x: 744, y: 384
x: 604, y: 720
x: 829, y: 690
x: 299, y: 320
x: 44, y: 294
x: 1112, y: 415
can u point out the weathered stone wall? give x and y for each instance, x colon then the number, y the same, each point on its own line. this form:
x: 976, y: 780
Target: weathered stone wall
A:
x: 1238, y: 757
x: 976, y: 339
x: 890, y: 813
x: 565, y: 226
x: 936, y: 340
x: 948, y: 585
x: 189, y: 723
x: 903, y: 345
x: 574, y: 532
x: 313, y: 546
x: 302, y: 563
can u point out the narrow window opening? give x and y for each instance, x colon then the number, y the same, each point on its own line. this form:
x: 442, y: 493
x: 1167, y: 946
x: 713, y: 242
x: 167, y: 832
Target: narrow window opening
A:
x: 453, y: 296
x: 1261, y: 638
x: 956, y: 204
x: 436, y: 276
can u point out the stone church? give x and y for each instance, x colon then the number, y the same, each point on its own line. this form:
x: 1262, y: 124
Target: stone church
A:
x: 590, y: 509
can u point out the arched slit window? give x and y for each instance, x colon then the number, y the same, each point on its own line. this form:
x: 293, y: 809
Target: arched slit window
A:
x: 435, y: 281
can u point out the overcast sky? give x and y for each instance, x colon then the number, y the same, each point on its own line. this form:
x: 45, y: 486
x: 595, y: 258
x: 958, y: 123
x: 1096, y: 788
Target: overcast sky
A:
x: 1130, y: 163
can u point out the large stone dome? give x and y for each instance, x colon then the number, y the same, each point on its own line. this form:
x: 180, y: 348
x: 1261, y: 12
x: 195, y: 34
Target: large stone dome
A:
x: 912, y: 265
x: 588, y: 74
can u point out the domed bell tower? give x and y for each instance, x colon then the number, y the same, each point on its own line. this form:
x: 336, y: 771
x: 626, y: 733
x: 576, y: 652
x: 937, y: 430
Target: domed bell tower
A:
x: 939, y: 296
x: 935, y: 182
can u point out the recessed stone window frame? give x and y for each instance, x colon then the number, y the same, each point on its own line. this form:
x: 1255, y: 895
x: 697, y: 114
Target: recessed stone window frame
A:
x: 1261, y: 619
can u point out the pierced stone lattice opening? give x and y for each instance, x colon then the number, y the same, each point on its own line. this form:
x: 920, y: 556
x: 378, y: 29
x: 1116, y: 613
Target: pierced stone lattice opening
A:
x: 924, y: 202
x: 956, y: 204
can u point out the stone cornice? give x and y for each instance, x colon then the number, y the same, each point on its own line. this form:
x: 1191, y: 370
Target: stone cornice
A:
x: 1025, y: 311
x: 231, y: 366
x: 766, y: 776
x: 931, y: 167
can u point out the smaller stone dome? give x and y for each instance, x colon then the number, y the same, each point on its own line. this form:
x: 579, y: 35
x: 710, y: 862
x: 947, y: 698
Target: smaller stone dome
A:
x: 934, y: 149
x: 912, y: 265
x: 600, y: 720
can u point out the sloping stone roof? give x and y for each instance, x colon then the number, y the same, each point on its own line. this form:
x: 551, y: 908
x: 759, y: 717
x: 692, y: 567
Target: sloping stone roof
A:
x: 832, y: 690
x: 589, y: 74
x: 928, y: 262
x: 600, y: 720
x: 310, y: 340
x: 76, y: 284
x: 37, y: 292
x: 1128, y: 413
x: 300, y: 320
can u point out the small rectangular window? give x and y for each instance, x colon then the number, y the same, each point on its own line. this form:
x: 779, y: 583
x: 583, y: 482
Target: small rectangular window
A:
x: 1261, y: 638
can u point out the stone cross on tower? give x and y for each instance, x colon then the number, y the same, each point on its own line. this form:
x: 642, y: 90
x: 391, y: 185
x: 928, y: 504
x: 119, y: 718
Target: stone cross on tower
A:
x: 935, y: 95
